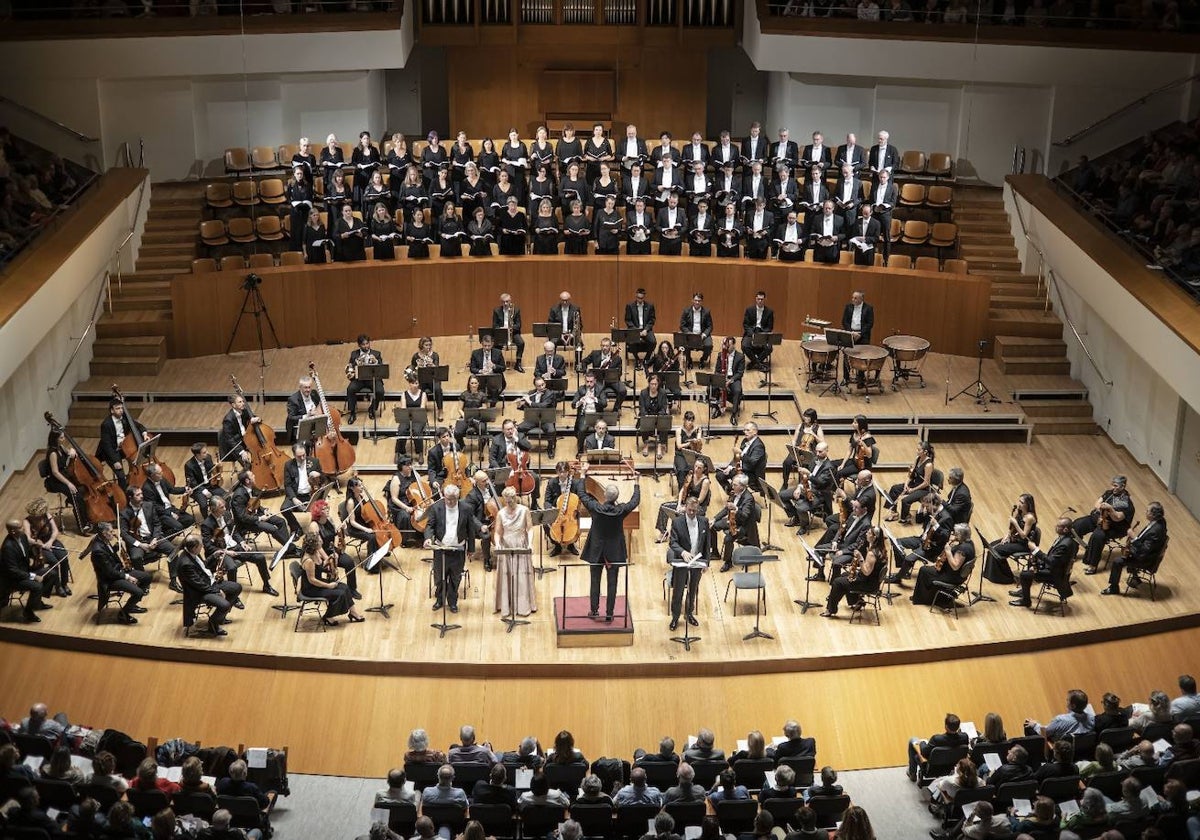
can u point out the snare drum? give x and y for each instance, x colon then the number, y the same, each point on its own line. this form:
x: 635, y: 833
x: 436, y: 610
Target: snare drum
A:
x: 906, y: 348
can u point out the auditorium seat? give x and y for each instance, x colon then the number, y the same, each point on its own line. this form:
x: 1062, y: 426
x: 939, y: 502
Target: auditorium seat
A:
x: 940, y: 166
x: 270, y: 190
x: 955, y: 266
x: 212, y: 233
x: 233, y: 263
x: 944, y: 235
x: 268, y: 228
x: 926, y: 264
x: 916, y: 232
x: 241, y: 229
x: 245, y: 193
x: 903, y: 261
x: 262, y: 158
x: 237, y: 161
x: 912, y: 195
x: 897, y: 228
x: 291, y: 258
x: 911, y: 163
x: 939, y: 197
x: 204, y: 265
x: 846, y: 258
x: 286, y: 152
x: 218, y: 195
x: 262, y: 261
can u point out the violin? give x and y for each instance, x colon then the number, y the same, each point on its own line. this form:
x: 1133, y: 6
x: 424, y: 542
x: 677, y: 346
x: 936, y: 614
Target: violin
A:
x: 130, y: 445
x: 421, y: 497
x: 334, y: 453
x: 266, y: 459
x: 100, y: 496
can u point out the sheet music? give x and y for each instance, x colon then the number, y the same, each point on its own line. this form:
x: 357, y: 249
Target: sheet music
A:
x: 256, y: 757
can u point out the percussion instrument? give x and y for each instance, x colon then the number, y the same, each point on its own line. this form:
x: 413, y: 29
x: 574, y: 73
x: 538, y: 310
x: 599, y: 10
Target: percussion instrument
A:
x: 822, y: 360
x: 908, y: 356
x: 866, y: 361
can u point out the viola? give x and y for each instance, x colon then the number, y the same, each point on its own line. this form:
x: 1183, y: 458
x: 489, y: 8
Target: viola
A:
x: 334, y: 453
x: 100, y: 496
x: 266, y: 459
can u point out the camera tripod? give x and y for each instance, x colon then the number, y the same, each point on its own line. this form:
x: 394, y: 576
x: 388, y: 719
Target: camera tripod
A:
x: 983, y: 396
x: 253, y: 304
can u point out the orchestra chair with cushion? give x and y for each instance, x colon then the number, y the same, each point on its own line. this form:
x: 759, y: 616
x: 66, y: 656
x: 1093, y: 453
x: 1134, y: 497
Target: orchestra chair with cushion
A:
x: 241, y: 229
x: 233, y: 263
x: 270, y: 190
x: 911, y: 163
x: 213, y: 233
x: 912, y: 195
x: 245, y: 193
x: 941, y: 166
x: 218, y: 195
x: 286, y: 152
x: 946, y: 595
x: 895, y: 229
x: 291, y: 258
x: 314, y: 606
x: 196, y: 803
x: 943, y: 235
x: 13, y: 598
x: 900, y: 261
x: 915, y: 232
x: 1056, y: 592
x: 803, y: 766
x: 245, y: 812
x: 536, y: 820
x: 927, y: 264
x: 746, y: 556
x: 595, y: 818
x: 829, y: 809
x: 237, y: 161
x: 1135, y: 576
x: 146, y: 803
x: 261, y: 261
x: 268, y: 229
x: 105, y: 597
x: 197, y: 617
x: 204, y: 265
x: 262, y: 158
x: 939, y: 197
x: 867, y: 600
x: 735, y: 815
x: 955, y: 266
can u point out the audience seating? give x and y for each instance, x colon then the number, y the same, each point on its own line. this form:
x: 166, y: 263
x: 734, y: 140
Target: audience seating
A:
x: 901, y: 261
x: 912, y: 195
x: 291, y: 258
x: 939, y: 197
x: 943, y: 235
x: 752, y: 772
x: 237, y: 161
x: 241, y: 229
x: 1060, y: 788
x: 213, y: 233
x: 955, y: 266
x: 782, y: 810
x: 287, y: 151
x: 911, y: 163
x: 204, y: 265
x: 268, y: 228
x: 219, y: 195
x: 686, y: 813
x: 316, y: 606
x: 926, y: 264
x: 915, y: 232
x: 201, y: 804
x: 539, y: 820
x: 270, y: 191
x: 261, y: 261
x: 146, y: 803
x: 233, y: 263
x: 263, y: 158
x: 245, y: 193
x: 1007, y: 792
x: 564, y: 777
x: 736, y: 816
x: 402, y: 817
x: 631, y: 820
x: 940, y: 166
x: 941, y: 763
x: 803, y: 767
x: 829, y: 809
x: 498, y: 820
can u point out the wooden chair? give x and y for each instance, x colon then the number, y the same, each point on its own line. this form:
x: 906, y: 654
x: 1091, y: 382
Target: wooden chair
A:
x: 245, y: 193
x: 895, y: 229
x: 940, y: 166
x: 955, y: 266
x: 237, y: 161
x: 915, y: 232
x: 943, y: 235
x: 926, y: 264
x: 262, y: 261
x: 270, y: 190
x: 263, y: 158
x: 213, y: 233
x: 219, y: 194
x: 204, y: 265
x: 269, y: 229
x: 291, y: 258
x: 939, y: 197
x: 912, y: 195
x: 233, y: 263
x: 241, y: 229
x: 316, y: 606
x: 900, y: 261
x: 845, y: 258
x: 911, y: 163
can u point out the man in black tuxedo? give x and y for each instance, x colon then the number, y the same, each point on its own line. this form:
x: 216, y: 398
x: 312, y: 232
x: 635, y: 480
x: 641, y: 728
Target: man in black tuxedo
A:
x: 758, y: 318
x: 883, y: 157
x: 605, y: 547
x: 234, y: 426
x: 487, y: 360
x: 302, y: 403
x: 567, y: 315
x: 363, y: 355
x: 883, y: 201
x: 697, y: 320
x: 549, y: 364
x: 260, y: 521
x: 753, y: 459
x: 817, y: 154
x: 664, y: 151
x: 158, y: 492
x: 812, y: 198
x: 741, y: 509
x: 754, y: 185
x: 958, y: 497
x: 852, y: 154
x: 200, y: 586
x: 847, y: 194
x: 929, y: 544
x: 599, y: 438
x: 858, y: 317
x: 607, y: 358
x: 19, y: 570
x: 867, y: 230
x: 630, y: 150
x: 785, y: 151
x: 671, y: 221
x: 695, y: 152
x: 230, y: 547
x: 725, y: 152
x: 198, y: 473
x: 1144, y: 549
x: 636, y: 185
x: 111, y: 574
x: 298, y: 475
x: 511, y: 441
x: 1053, y: 566
x: 727, y: 188
x: 113, y: 429
x: 540, y: 397
x: 760, y: 227
x: 840, y: 549
x: 143, y: 534
x: 689, y: 542
x: 639, y: 315
x: 825, y: 233
x: 508, y: 315
x: 589, y: 399
x: 754, y: 146
x: 732, y: 364
x: 451, y: 525
x: 864, y: 492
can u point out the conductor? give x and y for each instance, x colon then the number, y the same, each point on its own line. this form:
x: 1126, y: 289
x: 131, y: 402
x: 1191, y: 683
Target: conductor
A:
x: 605, y: 547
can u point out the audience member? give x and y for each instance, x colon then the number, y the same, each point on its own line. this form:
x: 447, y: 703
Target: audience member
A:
x: 104, y: 772
x: 1158, y: 710
x: 147, y: 778
x: 664, y: 828
x: 666, y: 753
x: 564, y: 751
x: 637, y: 792
x: 495, y: 790
x: 591, y: 791
x: 419, y: 752
x: 398, y: 792
x: 919, y: 750
x: 528, y: 754
x: 703, y: 749
x: 685, y: 789
x: 756, y: 748
x: 784, y: 787
x: 827, y: 786
x: 444, y: 792
x: 540, y: 793
x: 796, y: 745
x: 1076, y: 720
x: 1113, y: 714
x: 468, y: 752
x: 1130, y: 806
x: 1187, y: 704
x: 727, y: 789
x: 59, y: 767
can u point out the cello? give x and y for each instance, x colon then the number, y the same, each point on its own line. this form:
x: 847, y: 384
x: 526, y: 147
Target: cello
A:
x: 378, y: 521
x: 100, y: 495
x: 266, y: 459
x: 334, y: 453
x: 519, y: 477
x: 565, y: 529
x: 421, y: 497
x: 133, y: 442
x: 455, y: 463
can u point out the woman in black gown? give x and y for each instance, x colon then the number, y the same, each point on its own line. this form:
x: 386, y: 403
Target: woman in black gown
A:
x: 412, y: 195
x: 332, y: 160
x: 654, y: 401
x: 603, y: 187
x: 488, y: 162
x: 450, y: 231
x: 319, y: 581
x: 461, y: 154
x: 376, y: 192
x: 472, y: 398
x: 441, y: 191
x: 573, y: 187
x: 482, y: 234
x: 515, y: 157
x: 418, y: 236
x: 540, y: 187
x: 541, y: 151
x: 513, y: 229
x: 304, y: 157
x: 337, y: 195
x: 382, y: 232
x: 665, y: 360
x: 300, y: 197
x: 366, y: 161
x: 472, y: 191
x: 426, y: 356
x: 318, y: 247
x: 596, y: 150
x: 349, y: 237
x: 399, y: 159
x: 608, y: 228
x: 545, y: 229
x: 504, y: 190
x: 568, y: 150
x: 433, y: 158
x: 576, y: 230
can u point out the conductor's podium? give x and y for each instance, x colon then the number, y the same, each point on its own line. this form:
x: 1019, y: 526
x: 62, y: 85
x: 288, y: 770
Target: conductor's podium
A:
x: 573, y: 628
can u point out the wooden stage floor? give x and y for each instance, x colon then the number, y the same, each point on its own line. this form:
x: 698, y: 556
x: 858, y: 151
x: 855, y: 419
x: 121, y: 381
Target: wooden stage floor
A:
x: 1060, y: 471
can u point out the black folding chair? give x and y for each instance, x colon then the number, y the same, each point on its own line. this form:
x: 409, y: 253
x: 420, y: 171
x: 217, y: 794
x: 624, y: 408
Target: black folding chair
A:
x: 750, y: 772
x: 594, y: 818
x: 632, y: 820
x: 451, y: 817
x: 829, y: 809
x: 737, y: 816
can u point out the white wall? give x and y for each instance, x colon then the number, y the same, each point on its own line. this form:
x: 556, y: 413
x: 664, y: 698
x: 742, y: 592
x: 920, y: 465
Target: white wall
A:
x: 1151, y: 368
x: 32, y: 356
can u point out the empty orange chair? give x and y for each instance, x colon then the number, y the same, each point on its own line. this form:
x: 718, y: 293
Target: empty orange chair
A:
x: 944, y: 235
x: 203, y: 265
x: 263, y: 157
x: 218, y: 195
x: 262, y: 261
x: 270, y: 190
x: 291, y: 258
x: 899, y: 261
x: 241, y: 229
x: 926, y: 264
x: 940, y: 166
x: 939, y: 197
x: 897, y: 228
x: 916, y: 232
x: 212, y: 233
x: 237, y: 161
x: 286, y: 152
x: 269, y: 229
x: 912, y: 195
x: 846, y: 258
x: 912, y: 163
x: 233, y: 264
x: 245, y: 193
x: 955, y: 266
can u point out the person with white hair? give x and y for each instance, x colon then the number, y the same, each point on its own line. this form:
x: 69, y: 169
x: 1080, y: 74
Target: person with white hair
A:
x: 883, y: 155
x: 605, y: 547
x: 332, y: 159
x: 452, y: 527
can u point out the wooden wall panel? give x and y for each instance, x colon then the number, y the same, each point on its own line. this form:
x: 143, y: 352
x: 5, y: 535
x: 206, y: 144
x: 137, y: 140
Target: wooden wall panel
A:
x: 318, y: 304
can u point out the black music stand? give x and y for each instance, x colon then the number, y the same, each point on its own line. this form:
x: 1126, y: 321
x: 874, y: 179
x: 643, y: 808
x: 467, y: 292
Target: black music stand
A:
x: 672, y: 385
x: 375, y: 373
x: 987, y: 549
x: 982, y: 394
x: 484, y: 416
x: 590, y: 419
x: 757, y: 560
x: 813, y: 560
x: 145, y: 452
x: 690, y: 342
x: 285, y: 607
x: 499, y: 336
x: 542, y: 519
x: 512, y: 554
x: 772, y: 496
x: 654, y: 424
x: 712, y: 383
x: 803, y: 457
x: 631, y: 338
x: 540, y: 416
x: 429, y: 377
x: 411, y: 416
x: 758, y: 340
x: 679, y: 563
x: 370, y: 563
x: 843, y: 340
x: 308, y: 429
x: 559, y: 385
x: 897, y: 550
x: 444, y: 626
x: 490, y: 384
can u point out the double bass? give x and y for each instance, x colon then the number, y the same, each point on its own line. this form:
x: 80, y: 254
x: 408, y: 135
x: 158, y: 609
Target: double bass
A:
x: 266, y: 459
x: 334, y: 453
x: 130, y: 445
x: 100, y: 495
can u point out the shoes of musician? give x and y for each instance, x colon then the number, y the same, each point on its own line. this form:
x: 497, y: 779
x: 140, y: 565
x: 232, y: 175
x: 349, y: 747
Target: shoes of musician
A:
x: 454, y: 608
x: 355, y: 594
x: 557, y: 550
x: 216, y: 629
x: 32, y: 618
x: 1020, y: 602
x: 691, y: 619
x: 125, y: 618
x: 135, y: 609
x: 674, y: 624
x: 350, y: 420
x: 573, y: 549
x: 519, y: 368
x: 437, y: 605
x: 175, y: 587
x: 1110, y: 590
x: 268, y: 589
x: 726, y: 566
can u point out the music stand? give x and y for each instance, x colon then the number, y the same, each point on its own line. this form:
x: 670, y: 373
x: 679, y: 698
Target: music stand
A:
x: 606, y: 378
x: 370, y: 563
x: 445, y: 627
x: 311, y: 428
x: 979, y: 596
x: 897, y: 549
x: 804, y: 458
x: 542, y: 416
x: 757, y: 560
x: 484, y: 416
x: 410, y: 416
x: 549, y: 330
x: 689, y: 341
x: 671, y: 383
x: 712, y: 382
x: 843, y: 340
x: 429, y: 377
x: 772, y: 496
x: 512, y: 554
x: 145, y: 452
x: 375, y: 373
x: 758, y: 340
x: 542, y: 519
x: 285, y: 607
x: 631, y: 338
x: 813, y: 560
x: 654, y: 424
x: 592, y: 417
x: 679, y: 563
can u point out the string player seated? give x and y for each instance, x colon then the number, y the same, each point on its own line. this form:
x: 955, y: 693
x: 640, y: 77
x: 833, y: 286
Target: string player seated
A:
x: 740, y: 514
x: 251, y: 518
x: 948, y: 568
x: 22, y: 570
x: 562, y: 483
x: 330, y: 532
x: 1022, y: 530
x: 143, y: 534
x: 868, y: 562
x: 47, y: 551
x: 1109, y: 519
x: 400, y: 507
x: 319, y: 580
x: 113, y: 576
x: 840, y: 549
x: 1140, y: 552
x: 200, y: 473
x: 928, y: 546
x: 223, y: 543
x: 201, y: 586
x: 510, y: 447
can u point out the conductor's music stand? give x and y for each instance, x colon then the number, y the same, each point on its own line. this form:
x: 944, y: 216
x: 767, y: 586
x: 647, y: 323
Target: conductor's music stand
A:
x: 543, y: 519
x: 679, y: 563
x: 541, y: 416
x: 512, y: 567
x: 654, y: 424
x: 483, y: 416
x: 760, y: 340
x: 813, y: 560
x: 712, y: 382
x: 411, y: 417
x: 843, y: 340
x: 444, y: 626
x: 773, y: 498
x: 376, y: 374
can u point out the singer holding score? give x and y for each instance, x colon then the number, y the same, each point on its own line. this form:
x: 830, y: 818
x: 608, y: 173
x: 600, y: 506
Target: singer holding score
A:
x: 453, y: 530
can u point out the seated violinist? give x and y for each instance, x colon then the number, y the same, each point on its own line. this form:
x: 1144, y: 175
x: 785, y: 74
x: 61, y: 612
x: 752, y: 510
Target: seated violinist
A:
x: 200, y: 473
x: 332, y: 537
x: 224, y: 543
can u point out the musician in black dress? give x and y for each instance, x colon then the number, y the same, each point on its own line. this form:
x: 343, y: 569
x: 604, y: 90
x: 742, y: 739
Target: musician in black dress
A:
x: 545, y: 229
x: 488, y: 162
x: 412, y: 397
x: 300, y: 197
x: 654, y: 401
x: 473, y: 191
x: 461, y: 154
x: 426, y: 356
x: 1022, y: 530
x: 602, y: 187
x: 859, y: 456
x: 666, y: 359
x: 472, y: 398
x: 305, y: 159
x: 411, y: 194
x: 608, y: 228
x: 399, y: 159
x: 375, y: 192
x: 573, y: 186
x: 318, y: 247
x: 576, y: 230
x: 695, y: 485
x: 540, y: 187
x: 59, y: 455
x: 568, y: 150
x: 441, y: 191
x: 330, y: 533
x: 349, y: 235
x: 901, y: 497
x: 400, y: 507
x: 541, y: 153
x: 318, y: 581
x: 808, y: 434
x: 514, y: 155
x: 481, y: 232
x: 365, y: 160
x: 332, y: 161
x: 513, y: 229
x: 871, y: 557
x: 688, y: 436
x: 363, y: 355
x: 383, y: 234
x: 433, y: 158
x: 418, y: 236
x: 450, y: 231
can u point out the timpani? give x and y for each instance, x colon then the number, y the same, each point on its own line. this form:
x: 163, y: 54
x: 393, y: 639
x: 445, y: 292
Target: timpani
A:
x: 866, y: 362
x: 908, y: 357
x: 821, y: 358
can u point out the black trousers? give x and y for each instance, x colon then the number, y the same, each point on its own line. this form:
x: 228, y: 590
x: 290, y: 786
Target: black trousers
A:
x: 842, y: 586
x: 905, y: 501
x: 756, y: 355
x: 547, y: 430
x: 600, y: 568
x: 274, y: 525
x: 257, y: 559
x: 222, y: 601
x: 447, y: 572
x: 682, y: 579
x: 135, y: 589
x: 34, y: 588
x: 357, y: 386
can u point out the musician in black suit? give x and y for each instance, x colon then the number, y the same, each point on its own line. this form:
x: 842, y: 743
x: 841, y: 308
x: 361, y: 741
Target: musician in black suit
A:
x: 630, y: 150
x: 143, y: 534
x: 607, y: 358
x: 222, y: 541
x: 555, y: 488
x: 758, y: 318
x: 847, y: 194
x: 814, y: 194
x: 817, y: 154
x: 605, y: 547
x: 302, y: 403
x: 452, y: 525
x: 640, y: 224
x: 690, y: 542
x: 19, y: 571
x: 1144, y: 548
x: 695, y: 152
x: 851, y: 153
x: 113, y: 429
x: 784, y: 191
x: 234, y: 427
x: 158, y: 492
x: 1053, y: 566
x: 753, y: 463
x: 867, y: 230
x: 1114, y: 505
x: 754, y: 145
x: 785, y: 151
x: 260, y: 521
x: 599, y: 438
x: 298, y: 475
x: 697, y: 320
x: 640, y: 315
x: 511, y: 441
x: 540, y: 397
x: 883, y: 200
x: 754, y: 185
x: 664, y: 151
x: 743, y: 511
x: 858, y: 317
x: 725, y: 152
x: 883, y: 157
x: 939, y: 525
x: 568, y: 316
x: 589, y: 399
x: 198, y: 472
x: 636, y: 186
x: 958, y: 497
x: 671, y: 221
x: 759, y: 228
x: 825, y: 227
x: 732, y: 364
x: 489, y: 360
x: 840, y: 549
x: 508, y: 315
x: 200, y: 586
x: 550, y: 365
x: 727, y: 187
x: 111, y: 574
x: 364, y: 355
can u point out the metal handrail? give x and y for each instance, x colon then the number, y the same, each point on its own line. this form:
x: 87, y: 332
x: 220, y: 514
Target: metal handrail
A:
x: 1044, y: 263
x: 1068, y: 140
x: 78, y: 135
x: 105, y: 290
